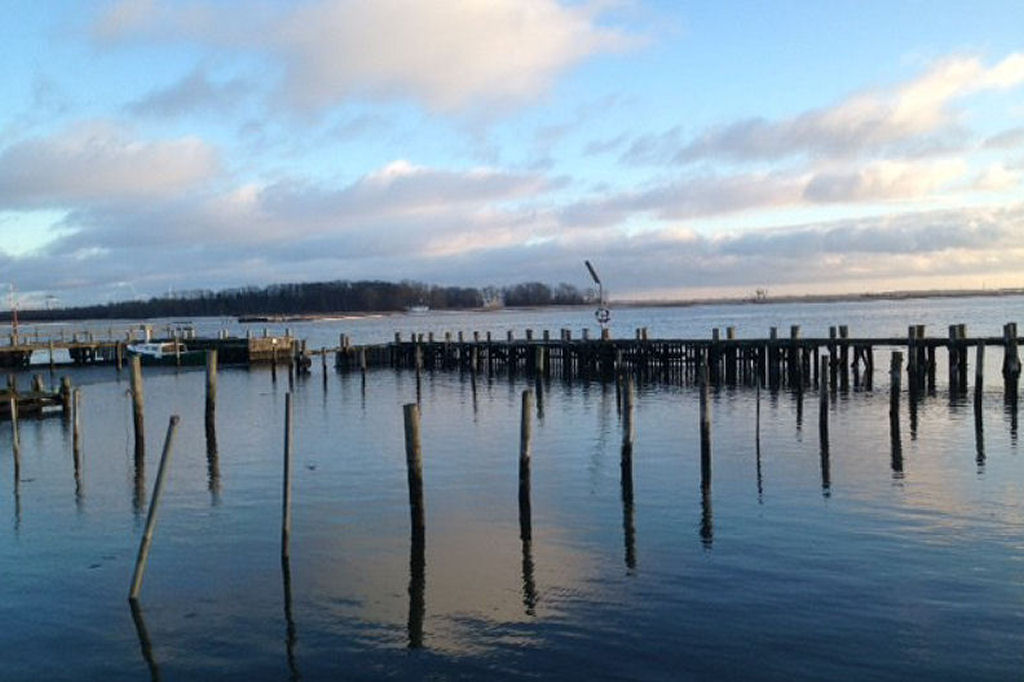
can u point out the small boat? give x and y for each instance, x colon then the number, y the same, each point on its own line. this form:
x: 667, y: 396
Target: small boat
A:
x: 419, y: 309
x: 166, y: 353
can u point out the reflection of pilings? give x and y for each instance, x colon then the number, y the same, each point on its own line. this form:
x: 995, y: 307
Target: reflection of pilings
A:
x: 529, y: 585
x: 291, y: 636
x: 147, y: 535
x: 979, y: 436
x: 628, y: 523
x: 144, y: 642
x: 417, y: 589
x: 417, y: 554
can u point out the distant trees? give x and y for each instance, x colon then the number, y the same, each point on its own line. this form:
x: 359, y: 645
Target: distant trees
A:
x: 318, y: 298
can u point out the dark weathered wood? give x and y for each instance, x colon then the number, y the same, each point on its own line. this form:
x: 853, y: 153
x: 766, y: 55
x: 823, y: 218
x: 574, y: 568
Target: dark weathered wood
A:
x: 414, y: 468
x: 286, y: 484
x: 525, y: 517
x: 138, y: 406
x: 147, y: 535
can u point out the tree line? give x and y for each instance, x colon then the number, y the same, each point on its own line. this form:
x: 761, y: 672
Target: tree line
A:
x: 319, y: 297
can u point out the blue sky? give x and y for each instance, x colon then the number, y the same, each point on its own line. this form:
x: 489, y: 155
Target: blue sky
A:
x: 687, y: 148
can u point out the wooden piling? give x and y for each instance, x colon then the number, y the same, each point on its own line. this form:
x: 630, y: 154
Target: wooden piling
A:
x: 414, y: 469
x: 76, y: 431
x: 15, y: 438
x: 705, y: 419
x: 823, y: 400
x: 147, y: 535
x: 525, y: 520
x: 979, y: 372
x: 286, y: 485
x: 1011, y: 362
x: 628, y: 425
x: 895, y: 368
x: 137, y: 409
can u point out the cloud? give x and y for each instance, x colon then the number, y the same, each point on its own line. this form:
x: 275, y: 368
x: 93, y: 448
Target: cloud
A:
x: 883, y: 180
x: 99, y: 162
x: 915, y: 117
x: 997, y: 177
x: 449, y: 57
x: 195, y: 92
x: 397, y: 208
x: 1008, y: 139
x: 692, y: 195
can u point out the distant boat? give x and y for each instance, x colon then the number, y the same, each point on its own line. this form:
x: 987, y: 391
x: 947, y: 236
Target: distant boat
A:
x: 166, y: 353
x: 419, y: 309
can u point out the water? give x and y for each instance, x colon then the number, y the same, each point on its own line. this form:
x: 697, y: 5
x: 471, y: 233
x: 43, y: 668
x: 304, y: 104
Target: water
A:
x: 794, y: 565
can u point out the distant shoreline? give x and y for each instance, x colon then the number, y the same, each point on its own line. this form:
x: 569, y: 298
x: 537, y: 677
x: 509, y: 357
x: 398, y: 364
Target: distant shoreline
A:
x: 823, y: 298
x: 618, y: 303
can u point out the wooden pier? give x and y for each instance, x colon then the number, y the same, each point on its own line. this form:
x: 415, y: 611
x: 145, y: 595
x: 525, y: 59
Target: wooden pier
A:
x: 793, y: 361
x: 85, y: 349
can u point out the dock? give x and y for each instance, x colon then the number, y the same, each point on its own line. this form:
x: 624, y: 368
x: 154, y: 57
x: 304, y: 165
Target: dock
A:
x: 793, y: 361
x: 86, y: 348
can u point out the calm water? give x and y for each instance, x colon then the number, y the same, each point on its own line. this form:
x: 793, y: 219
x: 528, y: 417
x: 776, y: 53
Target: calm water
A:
x: 796, y: 565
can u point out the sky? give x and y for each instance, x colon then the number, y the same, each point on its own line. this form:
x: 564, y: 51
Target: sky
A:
x: 687, y: 149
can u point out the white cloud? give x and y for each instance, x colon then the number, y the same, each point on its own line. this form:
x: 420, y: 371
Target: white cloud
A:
x: 884, y: 180
x: 449, y: 56
x: 997, y: 178
x: 917, y: 116
x: 98, y: 162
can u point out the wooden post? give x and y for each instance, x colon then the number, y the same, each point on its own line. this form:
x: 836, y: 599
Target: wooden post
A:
x: 137, y: 409
x: 65, y: 396
x: 15, y: 439
x: 147, y: 535
x: 628, y: 426
x: 76, y: 438
x: 1011, y: 362
x: 525, y: 521
x: 705, y: 418
x: 979, y: 372
x: 823, y: 400
x: 417, y: 545
x: 211, y: 387
x: 826, y: 469
x: 286, y: 486
x: 895, y: 367
x: 414, y: 470
x: 706, y: 524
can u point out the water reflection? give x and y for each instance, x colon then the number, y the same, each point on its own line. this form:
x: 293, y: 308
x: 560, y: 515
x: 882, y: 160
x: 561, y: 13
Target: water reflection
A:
x: 826, y: 467
x: 291, y: 636
x: 417, y: 588
x: 979, y: 437
x: 144, y: 642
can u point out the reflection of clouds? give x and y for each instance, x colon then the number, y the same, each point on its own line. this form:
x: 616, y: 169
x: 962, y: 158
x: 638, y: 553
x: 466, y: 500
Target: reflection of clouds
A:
x: 474, y: 579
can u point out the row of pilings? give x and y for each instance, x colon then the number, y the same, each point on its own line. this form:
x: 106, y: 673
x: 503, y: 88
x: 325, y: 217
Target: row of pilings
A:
x: 793, y: 362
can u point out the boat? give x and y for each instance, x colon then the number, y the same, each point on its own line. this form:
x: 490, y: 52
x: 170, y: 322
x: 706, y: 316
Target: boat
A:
x: 419, y: 309
x: 165, y: 353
